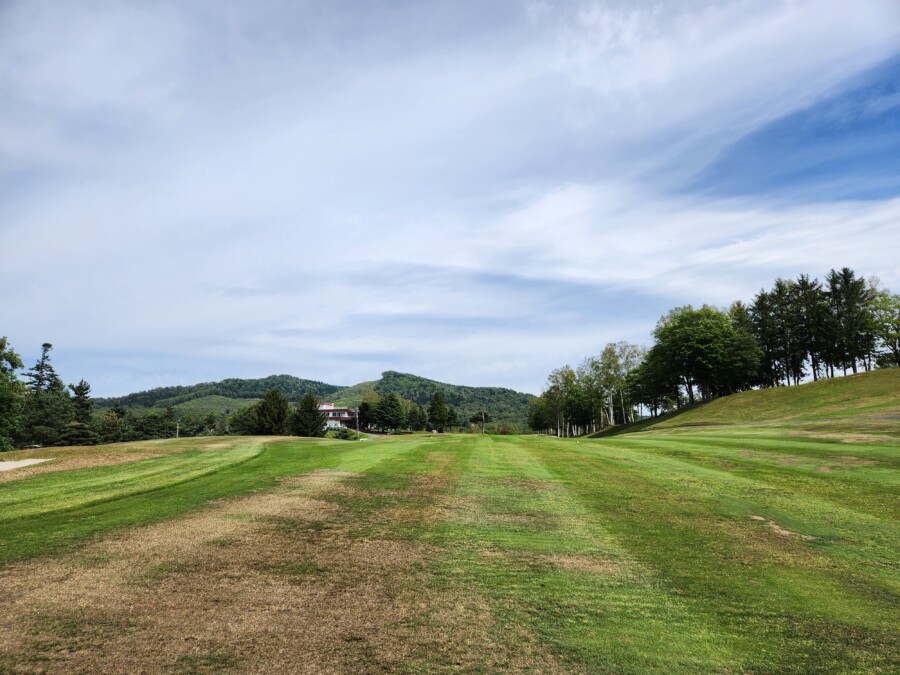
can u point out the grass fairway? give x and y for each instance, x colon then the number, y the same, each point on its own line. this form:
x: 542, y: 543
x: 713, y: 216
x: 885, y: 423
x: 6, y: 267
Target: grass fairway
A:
x: 725, y: 549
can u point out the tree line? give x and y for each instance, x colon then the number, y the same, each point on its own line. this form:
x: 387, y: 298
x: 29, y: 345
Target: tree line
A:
x: 391, y: 413
x: 43, y: 411
x: 798, y: 329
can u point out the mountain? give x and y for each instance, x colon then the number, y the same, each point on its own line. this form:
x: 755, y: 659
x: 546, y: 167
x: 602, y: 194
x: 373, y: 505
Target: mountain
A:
x: 162, y: 397
x: 503, y: 405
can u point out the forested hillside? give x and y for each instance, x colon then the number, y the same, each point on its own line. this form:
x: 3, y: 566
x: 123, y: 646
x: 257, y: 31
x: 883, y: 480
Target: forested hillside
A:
x: 502, y: 405
x: 162, y: 397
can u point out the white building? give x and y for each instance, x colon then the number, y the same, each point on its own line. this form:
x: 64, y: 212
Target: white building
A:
x: 338, y: 418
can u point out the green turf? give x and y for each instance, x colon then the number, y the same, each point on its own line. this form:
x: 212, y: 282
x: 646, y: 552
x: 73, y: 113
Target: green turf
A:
x: 724, y: 548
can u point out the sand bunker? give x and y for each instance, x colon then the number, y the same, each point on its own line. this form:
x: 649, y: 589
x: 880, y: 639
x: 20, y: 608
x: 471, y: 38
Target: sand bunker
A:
x: 18, y: 464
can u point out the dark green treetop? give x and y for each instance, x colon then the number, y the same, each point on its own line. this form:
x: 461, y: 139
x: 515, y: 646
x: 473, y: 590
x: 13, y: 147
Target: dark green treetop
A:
x: 11, y: 398
x: 307, y: 420
x: 389, y: 413
x: 272, y: 414
x: 438, y: 413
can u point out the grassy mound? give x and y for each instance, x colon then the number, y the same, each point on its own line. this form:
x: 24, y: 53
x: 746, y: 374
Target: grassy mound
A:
x: 868, y: 402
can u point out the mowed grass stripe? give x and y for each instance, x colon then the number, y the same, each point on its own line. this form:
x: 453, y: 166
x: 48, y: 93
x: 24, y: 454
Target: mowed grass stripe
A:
x: 629, y: 554
x: 548, y: 562
x: 52, y: 530
x: 847, y: 511
x: 808, y: 611
x: 52, y: 492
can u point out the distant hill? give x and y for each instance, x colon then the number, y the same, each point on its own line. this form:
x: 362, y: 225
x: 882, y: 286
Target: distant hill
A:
x: 868, y: 402
x: 503, y: 405
x: 292, y: 387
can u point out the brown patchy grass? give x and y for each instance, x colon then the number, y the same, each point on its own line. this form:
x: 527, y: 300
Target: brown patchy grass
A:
x: 583, y: 563
x: 272, y: 582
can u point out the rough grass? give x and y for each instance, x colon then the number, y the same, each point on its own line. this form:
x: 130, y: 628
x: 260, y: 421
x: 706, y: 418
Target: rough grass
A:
x: 868, y: 403
x: 716, y: 549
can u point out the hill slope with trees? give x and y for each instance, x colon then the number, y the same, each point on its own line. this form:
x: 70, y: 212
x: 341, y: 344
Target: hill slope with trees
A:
x: 163, y: 397
x: 502, y: 405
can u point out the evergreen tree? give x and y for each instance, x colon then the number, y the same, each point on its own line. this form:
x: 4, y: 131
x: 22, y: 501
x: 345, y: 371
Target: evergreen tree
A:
x: 42, y: 376
x: 82, y: 404
x: 850, y: 301
x: 389, y: 413
x: 244, y: 421
x: 272, y: 414
x: 813, y: 319
x: 80, y: 430
x: 417, y: 418
x: 366, y: 415
x: 790, y: 348
x: 452, y: 417
x: 438, y: 413
x: 48, y: 408
x: 307, y: 420
x: 11, y: 395
x: 764, y: 329
x: 112, y: 429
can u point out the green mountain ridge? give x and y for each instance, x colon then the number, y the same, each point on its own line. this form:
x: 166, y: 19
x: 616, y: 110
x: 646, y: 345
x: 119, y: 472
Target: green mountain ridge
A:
x: 162, y: 397
x: 503, y: 405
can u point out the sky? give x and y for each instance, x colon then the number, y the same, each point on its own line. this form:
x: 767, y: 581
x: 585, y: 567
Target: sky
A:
x: 474, y: 192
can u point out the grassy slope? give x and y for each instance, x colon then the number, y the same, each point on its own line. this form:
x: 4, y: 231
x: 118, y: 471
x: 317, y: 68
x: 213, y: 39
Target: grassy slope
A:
x: 719, y: 549
x: 868, y: 402
x: 352, y: 396
x: 214, y: 404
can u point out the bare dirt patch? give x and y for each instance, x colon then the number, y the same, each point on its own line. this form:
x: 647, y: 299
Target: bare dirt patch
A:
x: 780, y: 531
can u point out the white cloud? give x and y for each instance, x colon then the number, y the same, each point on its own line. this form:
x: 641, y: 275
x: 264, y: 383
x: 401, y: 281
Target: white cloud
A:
x: 245, y: 185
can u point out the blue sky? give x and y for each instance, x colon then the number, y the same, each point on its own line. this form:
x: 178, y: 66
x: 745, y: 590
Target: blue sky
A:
x: 473, y: 192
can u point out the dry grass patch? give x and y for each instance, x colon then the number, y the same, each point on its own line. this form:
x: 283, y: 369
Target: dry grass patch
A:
x: 583, y: 563
x: 269, y: 582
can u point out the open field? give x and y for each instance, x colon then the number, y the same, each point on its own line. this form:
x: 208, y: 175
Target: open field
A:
x: 718, y: 550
